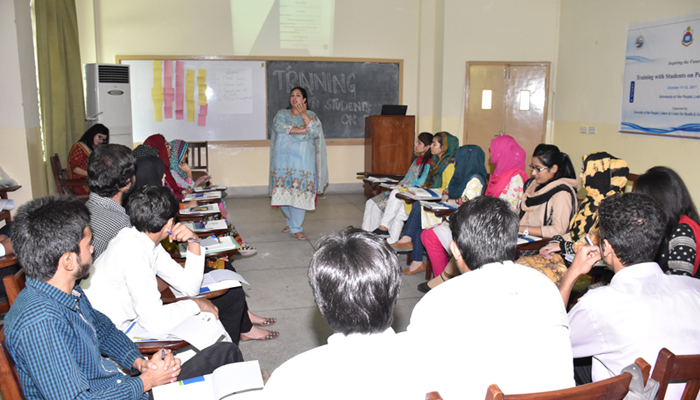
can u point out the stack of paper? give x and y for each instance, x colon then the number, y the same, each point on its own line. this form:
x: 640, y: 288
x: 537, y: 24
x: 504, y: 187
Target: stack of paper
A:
x: 522, y: 239
x: 212, y: 244
x: 438, y: 205
x: 221, y: 279
x: 208, y: 226
x: 240, y: 379
x: 380, y: 180
x: 201, y: 331
x: 201, y: 210
x: 210, y: 195
x: 199, y: 189
x: 423, y: 194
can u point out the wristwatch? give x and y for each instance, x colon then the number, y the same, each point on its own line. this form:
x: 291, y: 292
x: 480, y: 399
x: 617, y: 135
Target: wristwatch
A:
x: 526, y: 231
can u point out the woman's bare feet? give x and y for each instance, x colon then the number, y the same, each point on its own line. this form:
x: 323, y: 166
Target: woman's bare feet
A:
x: 259, y: 334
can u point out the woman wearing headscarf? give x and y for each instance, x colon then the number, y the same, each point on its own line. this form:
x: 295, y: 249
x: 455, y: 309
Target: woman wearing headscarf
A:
x: 179, y: 168
x: 602, y: 175
x: 467, y: 183
x: 506, y: 182
x: 159, y: 143
x: 443, y: 149
x: 415, y: 176
x: 549, y: 200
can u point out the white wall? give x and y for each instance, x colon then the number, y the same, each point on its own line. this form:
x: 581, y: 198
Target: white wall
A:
x: 589, y: 86
x: 20, y: 153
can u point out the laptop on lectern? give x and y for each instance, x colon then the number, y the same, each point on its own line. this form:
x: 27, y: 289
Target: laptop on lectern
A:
x: 390, y: 109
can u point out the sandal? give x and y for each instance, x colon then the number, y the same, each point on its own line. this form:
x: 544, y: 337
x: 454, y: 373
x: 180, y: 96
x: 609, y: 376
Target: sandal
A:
x: 299, y: 235
x: 247, y: 250
x: 286, y: 229
x: 271, y: 335
x: 267, y: 322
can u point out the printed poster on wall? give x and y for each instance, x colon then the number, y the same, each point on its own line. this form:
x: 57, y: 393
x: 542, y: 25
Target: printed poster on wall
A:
x: 661, y: 93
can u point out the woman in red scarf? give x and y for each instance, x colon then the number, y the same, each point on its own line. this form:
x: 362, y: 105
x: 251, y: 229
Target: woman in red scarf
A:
x: 159, y: 143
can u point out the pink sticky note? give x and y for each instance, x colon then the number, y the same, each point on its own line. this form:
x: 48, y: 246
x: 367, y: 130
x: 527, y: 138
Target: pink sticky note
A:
x: 179, y: 89
x: 168, y: 111
x: 204, y: 110
x: 168, y: 81
x: 202, y: 120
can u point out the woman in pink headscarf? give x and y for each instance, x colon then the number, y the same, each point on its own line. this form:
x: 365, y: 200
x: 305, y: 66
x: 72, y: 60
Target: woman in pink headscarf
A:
x: 506, y: 182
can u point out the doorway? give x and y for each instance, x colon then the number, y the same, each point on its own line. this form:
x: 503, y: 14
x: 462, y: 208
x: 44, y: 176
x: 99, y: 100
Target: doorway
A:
x: 509, y: 98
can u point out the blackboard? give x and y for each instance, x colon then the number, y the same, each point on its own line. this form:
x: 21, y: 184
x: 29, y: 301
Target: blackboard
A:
x: 342, y: 94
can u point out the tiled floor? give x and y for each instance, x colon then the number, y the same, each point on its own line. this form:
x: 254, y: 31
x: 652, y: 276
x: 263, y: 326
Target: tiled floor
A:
x: 277, y: 274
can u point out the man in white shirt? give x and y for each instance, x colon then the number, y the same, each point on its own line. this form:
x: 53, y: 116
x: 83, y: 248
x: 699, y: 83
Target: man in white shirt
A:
x: 499, y: 322
x: 123, y: 283
x: 642, y: 310
x: 355, y: 278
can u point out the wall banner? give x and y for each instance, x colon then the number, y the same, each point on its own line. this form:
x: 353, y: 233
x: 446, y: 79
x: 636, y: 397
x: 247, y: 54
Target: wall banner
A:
x: 661, y: 93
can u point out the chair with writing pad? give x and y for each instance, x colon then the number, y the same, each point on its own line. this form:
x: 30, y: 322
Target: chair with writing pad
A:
x: 670, y: 368
x: 633, y: 377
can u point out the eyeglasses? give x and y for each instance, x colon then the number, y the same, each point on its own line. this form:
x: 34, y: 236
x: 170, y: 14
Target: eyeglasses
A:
x: 538, y: 169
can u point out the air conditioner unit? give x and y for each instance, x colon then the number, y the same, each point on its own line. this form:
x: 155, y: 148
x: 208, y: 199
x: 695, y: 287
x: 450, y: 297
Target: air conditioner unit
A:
x: 108, y: 101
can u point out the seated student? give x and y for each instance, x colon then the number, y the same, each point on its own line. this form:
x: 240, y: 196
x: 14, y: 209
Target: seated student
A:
x: 179, y: 168
x: 442, y: 167
x: 642, y: 310
x: 123, y: 284
x: 110, y: 171
x: 678, y: 253
x: 549, y: 200
x: 500, y: 322
x: 355, y: 278
x: 150, y: 171
x: 415, y: 176
x: 59, y: 342
x: 602, y: 176
x: 467, y: 183
x: 76, y: 165
x: 506, y: 182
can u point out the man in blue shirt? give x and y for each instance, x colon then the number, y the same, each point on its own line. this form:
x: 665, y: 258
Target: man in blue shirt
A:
x: 56, y: 338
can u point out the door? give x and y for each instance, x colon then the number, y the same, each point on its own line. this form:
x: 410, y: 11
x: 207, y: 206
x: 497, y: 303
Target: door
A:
x: 508, y: 98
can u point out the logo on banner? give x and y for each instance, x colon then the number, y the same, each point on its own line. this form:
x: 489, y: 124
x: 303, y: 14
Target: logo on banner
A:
x: 688, y: 37
x: 639, y: 42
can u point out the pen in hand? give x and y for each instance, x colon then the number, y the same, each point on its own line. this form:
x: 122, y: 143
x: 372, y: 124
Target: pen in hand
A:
x: 190, y: 239
x: 162, y: 354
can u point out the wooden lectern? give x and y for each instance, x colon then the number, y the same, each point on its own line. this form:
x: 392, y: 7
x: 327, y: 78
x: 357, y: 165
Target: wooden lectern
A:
x: 389, y: 143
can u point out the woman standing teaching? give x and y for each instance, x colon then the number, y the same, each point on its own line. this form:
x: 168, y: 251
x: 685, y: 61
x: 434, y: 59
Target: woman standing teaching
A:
x: 298, y: 167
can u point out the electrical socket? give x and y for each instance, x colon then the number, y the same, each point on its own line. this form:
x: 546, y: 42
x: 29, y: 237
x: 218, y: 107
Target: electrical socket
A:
x: 591, y: 130
x: 583, y: 129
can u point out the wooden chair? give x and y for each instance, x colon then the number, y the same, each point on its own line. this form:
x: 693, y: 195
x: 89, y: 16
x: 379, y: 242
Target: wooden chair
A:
x: 198, y: 158
x: 614, y: 388
x: 631, y: 178
x: 671, y: 368
x: 10, y: 385
x: 14, y: 284
x: 63, y: 184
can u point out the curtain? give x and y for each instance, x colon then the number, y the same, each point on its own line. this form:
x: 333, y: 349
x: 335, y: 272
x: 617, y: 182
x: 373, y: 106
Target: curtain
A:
x: 60, y: 78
